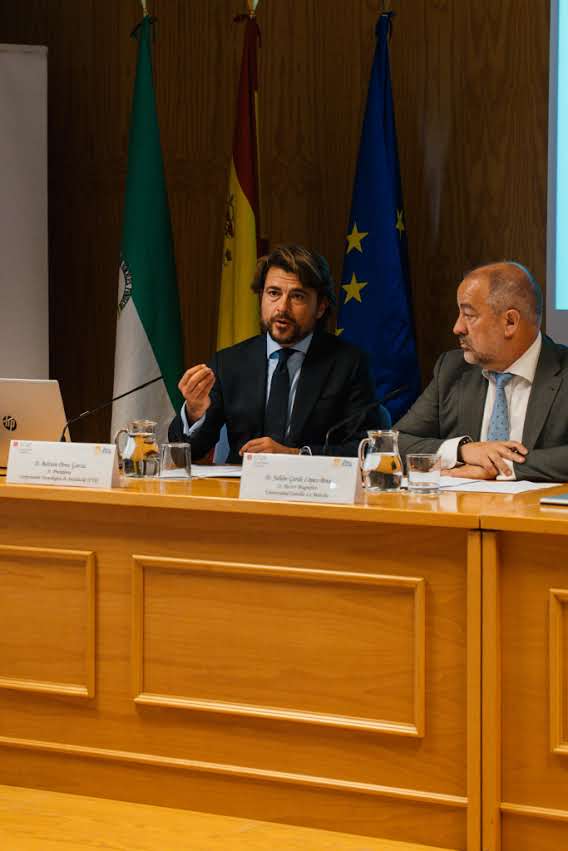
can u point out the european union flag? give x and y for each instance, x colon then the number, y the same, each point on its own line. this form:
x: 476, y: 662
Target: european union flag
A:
x: 375, y: 310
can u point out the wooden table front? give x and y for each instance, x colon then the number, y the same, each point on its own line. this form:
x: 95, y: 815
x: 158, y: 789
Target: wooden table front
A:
x: 316, y: 665
x: 525, y: 675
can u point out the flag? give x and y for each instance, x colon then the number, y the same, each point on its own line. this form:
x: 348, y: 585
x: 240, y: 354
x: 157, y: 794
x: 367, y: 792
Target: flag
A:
x: 238, y: 305
x: 148, y: 328
x: 375, y: 304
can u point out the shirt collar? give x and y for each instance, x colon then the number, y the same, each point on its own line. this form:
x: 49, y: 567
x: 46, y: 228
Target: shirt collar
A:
x: 302, y: 346
x: 525, y: 366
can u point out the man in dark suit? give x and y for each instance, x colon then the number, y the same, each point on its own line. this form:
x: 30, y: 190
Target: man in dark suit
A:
x: 284, y: 389
x: 498, y: 408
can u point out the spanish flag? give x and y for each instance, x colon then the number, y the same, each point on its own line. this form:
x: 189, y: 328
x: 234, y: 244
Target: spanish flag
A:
x: 238, y: 305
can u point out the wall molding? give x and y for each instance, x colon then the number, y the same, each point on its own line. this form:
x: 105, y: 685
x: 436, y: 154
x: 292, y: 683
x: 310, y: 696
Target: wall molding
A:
x: 414, y: 585
x: 83, y: 559
x: 558, y: 682
x: 238, y: 772
x: 534, y: 812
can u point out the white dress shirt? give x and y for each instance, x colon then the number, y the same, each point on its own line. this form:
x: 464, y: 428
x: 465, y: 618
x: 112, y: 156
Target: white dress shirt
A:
x: 517, y: 393
x: 295, y: 363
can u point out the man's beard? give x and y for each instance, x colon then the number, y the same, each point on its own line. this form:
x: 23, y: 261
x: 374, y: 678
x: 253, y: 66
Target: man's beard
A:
x: 293, y: 333
x: 480, y: 358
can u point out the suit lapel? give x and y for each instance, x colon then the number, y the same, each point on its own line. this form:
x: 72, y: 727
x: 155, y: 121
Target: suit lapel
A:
x: 545, y: 387
x: 316, y: 367
x: 255, y: 368
x: 473, y: 390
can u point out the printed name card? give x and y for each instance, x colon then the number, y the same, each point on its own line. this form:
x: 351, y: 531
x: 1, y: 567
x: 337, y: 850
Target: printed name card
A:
x: 83, y: 465
x: 301, y: 478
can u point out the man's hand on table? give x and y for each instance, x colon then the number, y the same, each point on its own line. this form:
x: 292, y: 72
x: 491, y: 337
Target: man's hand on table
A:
x: 491, y: 456
x: 266, y: 444
x: 469, y: 471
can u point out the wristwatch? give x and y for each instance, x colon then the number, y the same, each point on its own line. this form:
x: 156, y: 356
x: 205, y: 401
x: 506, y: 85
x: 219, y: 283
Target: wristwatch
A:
x: 462, y: 442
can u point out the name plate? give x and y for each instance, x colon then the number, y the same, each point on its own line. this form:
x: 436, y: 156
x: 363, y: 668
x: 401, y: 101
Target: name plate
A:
x: 301, y: 478
x: 83, y: 465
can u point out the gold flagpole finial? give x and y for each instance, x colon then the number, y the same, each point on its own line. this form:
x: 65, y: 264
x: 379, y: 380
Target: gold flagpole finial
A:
x: 252, y: 4
x: 145, y: 8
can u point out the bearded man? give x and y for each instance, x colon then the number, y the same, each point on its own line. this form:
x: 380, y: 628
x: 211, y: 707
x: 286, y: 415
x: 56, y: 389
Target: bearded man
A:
x: 283, y: 390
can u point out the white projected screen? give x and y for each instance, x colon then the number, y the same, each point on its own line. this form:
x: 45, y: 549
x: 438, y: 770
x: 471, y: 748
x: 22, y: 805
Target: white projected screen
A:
x: 24, y: 319
x: 557, y: 261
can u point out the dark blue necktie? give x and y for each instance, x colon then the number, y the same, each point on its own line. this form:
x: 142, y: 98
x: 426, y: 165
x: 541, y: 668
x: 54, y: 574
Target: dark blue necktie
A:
x: 276, y: 413
x: 499, y: 428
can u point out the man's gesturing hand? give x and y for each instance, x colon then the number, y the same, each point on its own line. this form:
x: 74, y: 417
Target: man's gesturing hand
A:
x: 490, y: 455
x: 195, y: 386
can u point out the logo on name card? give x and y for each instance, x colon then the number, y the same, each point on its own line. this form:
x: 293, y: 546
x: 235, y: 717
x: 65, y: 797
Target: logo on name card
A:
x: 9, y: 423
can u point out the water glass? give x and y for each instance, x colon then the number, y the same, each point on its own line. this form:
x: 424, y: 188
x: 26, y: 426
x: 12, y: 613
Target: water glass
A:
x: 423, y: 473
x: 175, y: 461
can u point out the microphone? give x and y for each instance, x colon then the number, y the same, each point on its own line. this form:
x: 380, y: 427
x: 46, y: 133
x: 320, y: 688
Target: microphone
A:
x: 106, y: 404
x: 360, y: 415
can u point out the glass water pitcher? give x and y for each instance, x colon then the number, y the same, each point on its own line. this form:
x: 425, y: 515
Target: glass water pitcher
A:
x: 138, y: 449
x: 381, y: 464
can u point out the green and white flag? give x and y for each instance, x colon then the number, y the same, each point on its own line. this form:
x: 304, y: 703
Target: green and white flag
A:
x: 148, y: 329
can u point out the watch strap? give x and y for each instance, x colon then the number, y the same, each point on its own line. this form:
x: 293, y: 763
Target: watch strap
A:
x: 463, y: 442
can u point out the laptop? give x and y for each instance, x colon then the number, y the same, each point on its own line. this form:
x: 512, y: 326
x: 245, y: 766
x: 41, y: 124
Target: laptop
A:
x: 30, y: 409
x: 555, y: 499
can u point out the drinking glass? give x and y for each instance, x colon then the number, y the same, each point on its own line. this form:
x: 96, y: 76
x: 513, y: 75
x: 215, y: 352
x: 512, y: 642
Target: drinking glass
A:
x: 423, y: 472
x: 175, y: 461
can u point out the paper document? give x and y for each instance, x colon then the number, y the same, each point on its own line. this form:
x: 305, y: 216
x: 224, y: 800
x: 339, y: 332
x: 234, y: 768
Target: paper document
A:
x: 482, y: 486
x: 456, y: 483
x: 216, y: 471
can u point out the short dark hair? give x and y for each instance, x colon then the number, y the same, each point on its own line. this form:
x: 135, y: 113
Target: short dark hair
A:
x: 311, y: 269
x: 512, y: 285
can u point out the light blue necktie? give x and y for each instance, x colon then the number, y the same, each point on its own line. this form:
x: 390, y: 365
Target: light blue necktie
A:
x: 499, y: 422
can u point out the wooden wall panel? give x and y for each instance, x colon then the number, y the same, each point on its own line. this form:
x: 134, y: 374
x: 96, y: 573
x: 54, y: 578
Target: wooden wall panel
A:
x: 51, y: 593
x: 470, y: 81
x: 271, y: 700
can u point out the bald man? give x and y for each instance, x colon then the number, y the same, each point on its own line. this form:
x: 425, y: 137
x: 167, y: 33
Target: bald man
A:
x: 499, y: 407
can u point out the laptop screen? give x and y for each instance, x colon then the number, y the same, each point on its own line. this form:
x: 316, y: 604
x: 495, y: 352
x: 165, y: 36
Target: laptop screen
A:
x: 30, y: 409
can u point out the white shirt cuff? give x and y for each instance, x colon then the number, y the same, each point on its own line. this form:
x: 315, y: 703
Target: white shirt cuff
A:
x: 512, y: 477
x: 448, y: 452
x: 188, y: 429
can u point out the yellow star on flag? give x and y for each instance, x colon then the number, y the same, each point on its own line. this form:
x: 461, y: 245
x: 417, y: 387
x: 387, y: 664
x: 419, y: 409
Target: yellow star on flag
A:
x: 338, y: 331
x: 355, y: 238
x: 400, y: 222
x: 353, y: 288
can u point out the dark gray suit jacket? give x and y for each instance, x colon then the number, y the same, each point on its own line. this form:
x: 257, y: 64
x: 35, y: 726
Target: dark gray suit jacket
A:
x: 453, y: 403
x: 334, y: 383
